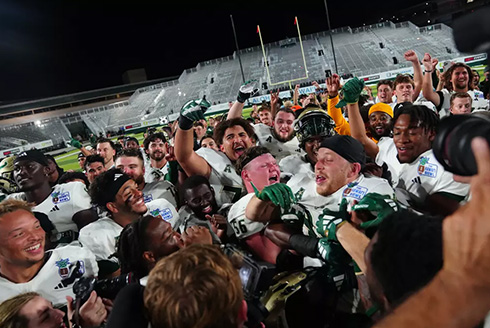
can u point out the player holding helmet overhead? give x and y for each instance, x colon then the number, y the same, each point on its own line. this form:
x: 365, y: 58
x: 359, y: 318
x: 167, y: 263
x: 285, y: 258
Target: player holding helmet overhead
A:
x: 312, y: 126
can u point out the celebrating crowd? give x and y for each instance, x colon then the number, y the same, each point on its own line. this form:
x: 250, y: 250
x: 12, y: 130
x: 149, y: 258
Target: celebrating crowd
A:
x: 333, y: 209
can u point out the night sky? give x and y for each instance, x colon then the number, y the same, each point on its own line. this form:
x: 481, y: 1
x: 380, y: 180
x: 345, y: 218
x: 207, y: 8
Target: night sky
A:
x: 50, y: 48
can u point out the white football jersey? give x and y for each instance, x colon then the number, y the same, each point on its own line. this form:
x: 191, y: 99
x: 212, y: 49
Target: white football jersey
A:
x: 278, y: 149
x: 242, y: 226
x: 65, y: 200
x: 415, y: 181
x: 227, y: 184
x: 100, y: 237
x: 295, y: 164
x: 49, y: 281
x: 160, y: 190
x: 479, y: 103
x: 304, y: 188
x: 155, y: 174
x: 163, y: 208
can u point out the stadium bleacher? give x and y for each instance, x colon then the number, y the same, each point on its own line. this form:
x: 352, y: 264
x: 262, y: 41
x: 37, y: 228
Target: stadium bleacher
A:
x: 357, y: 50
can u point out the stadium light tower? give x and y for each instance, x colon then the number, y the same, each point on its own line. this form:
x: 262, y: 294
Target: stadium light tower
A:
x: 237, y: 49
x: 331, y: 38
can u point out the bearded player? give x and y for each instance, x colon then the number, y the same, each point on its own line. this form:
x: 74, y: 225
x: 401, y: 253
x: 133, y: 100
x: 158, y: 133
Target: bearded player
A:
x: 280, y: 137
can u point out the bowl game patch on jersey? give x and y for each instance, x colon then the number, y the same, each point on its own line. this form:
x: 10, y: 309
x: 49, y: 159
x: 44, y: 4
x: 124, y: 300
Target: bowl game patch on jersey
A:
x: 427, y: 169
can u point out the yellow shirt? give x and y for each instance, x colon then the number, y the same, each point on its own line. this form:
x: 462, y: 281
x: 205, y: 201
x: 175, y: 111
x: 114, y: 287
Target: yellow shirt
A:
x: 342, y: 127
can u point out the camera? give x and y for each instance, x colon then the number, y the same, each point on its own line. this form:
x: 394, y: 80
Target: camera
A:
x: 452, y: 144
x: 106, y: 288
x: 256, y: 278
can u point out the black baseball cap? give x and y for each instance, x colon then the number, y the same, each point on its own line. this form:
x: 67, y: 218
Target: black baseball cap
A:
x: 32, y: 155
x: 347, y: 147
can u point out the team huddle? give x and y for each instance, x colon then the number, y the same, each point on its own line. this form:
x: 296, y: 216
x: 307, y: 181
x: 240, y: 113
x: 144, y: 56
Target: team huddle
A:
x: 305, y: 182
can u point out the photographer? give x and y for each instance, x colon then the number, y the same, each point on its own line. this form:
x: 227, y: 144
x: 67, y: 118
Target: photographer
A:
x: 33, y: 310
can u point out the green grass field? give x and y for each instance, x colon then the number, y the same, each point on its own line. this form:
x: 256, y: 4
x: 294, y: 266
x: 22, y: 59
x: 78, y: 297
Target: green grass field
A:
x: 68, y: 161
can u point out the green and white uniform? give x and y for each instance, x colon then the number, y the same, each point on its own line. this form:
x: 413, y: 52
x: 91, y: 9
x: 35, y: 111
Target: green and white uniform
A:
x: 227, y: 184
x: 62, y: 204
x: 155, y: 174
x: 304, y: 188
x: 295, y: 164
x: 242, y: 226
x: 101, y: 236
x: 48, y: 282
x: 160, y: 190
x: 278, y: 149
x: 423, y: 177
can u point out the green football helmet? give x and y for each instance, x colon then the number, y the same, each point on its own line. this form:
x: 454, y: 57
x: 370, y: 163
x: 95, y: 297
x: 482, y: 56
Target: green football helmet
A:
x: 7, y: 167
x: 312, y: 123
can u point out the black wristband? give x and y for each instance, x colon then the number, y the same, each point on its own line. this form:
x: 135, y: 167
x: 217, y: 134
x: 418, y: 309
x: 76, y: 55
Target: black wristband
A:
x: 185, y: 123
x: 304, y: 244
x: 242, y: 97
x: 428, y: 71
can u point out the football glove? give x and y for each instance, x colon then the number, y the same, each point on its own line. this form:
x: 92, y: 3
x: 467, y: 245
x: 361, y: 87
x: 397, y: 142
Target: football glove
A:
x: 379, y: 205
x: 246, y: 91
x: 75, y: 143
x: 278, y: 193
x: 192, y: 111
x: 329, y: 221
x: 351, y: 92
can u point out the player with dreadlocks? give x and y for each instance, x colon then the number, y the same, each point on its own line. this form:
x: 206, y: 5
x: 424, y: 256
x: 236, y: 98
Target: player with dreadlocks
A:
x: 419, y: 179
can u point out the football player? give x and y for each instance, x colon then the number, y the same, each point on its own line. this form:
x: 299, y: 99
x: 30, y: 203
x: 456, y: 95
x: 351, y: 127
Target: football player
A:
x: 67, y: 205
x: 419, y: 179
x: 130, y: 161
x: 119, y: 195
x: 279, y: 136
x: 233, y: 137
x: 26, y: 267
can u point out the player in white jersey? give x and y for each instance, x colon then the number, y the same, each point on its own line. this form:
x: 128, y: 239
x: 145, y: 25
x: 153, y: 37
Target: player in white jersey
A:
x: 257, y: 166
x: 411, y: 164
x: 119, y: 195
x: 201, y: 209
x: 131, y: 162
x: 156, y: 149
x: 337, y: 180
x: 233, y: 136
x: 458, y: 78
x: 24, y: 265
x: 67, y: 205
x: 311, y: 127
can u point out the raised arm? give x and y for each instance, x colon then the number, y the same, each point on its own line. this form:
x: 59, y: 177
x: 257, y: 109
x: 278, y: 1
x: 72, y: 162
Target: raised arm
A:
x: 333, y: 86
x: 358, y: 130
x: 296, y: 95
x: 411, y: 56
x: 189, y: 160
x: 427, y: 90
x: 274, y: 100
x: 245, y: 92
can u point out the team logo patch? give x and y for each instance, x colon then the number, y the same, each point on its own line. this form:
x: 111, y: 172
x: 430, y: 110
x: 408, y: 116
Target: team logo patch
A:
x: 147, y: 198
x: 63, y: 267
x: 60, y: 197
x: 355, y: 191
x: 427, y: 169
x: 299, y: 193
x: 165, y: 213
